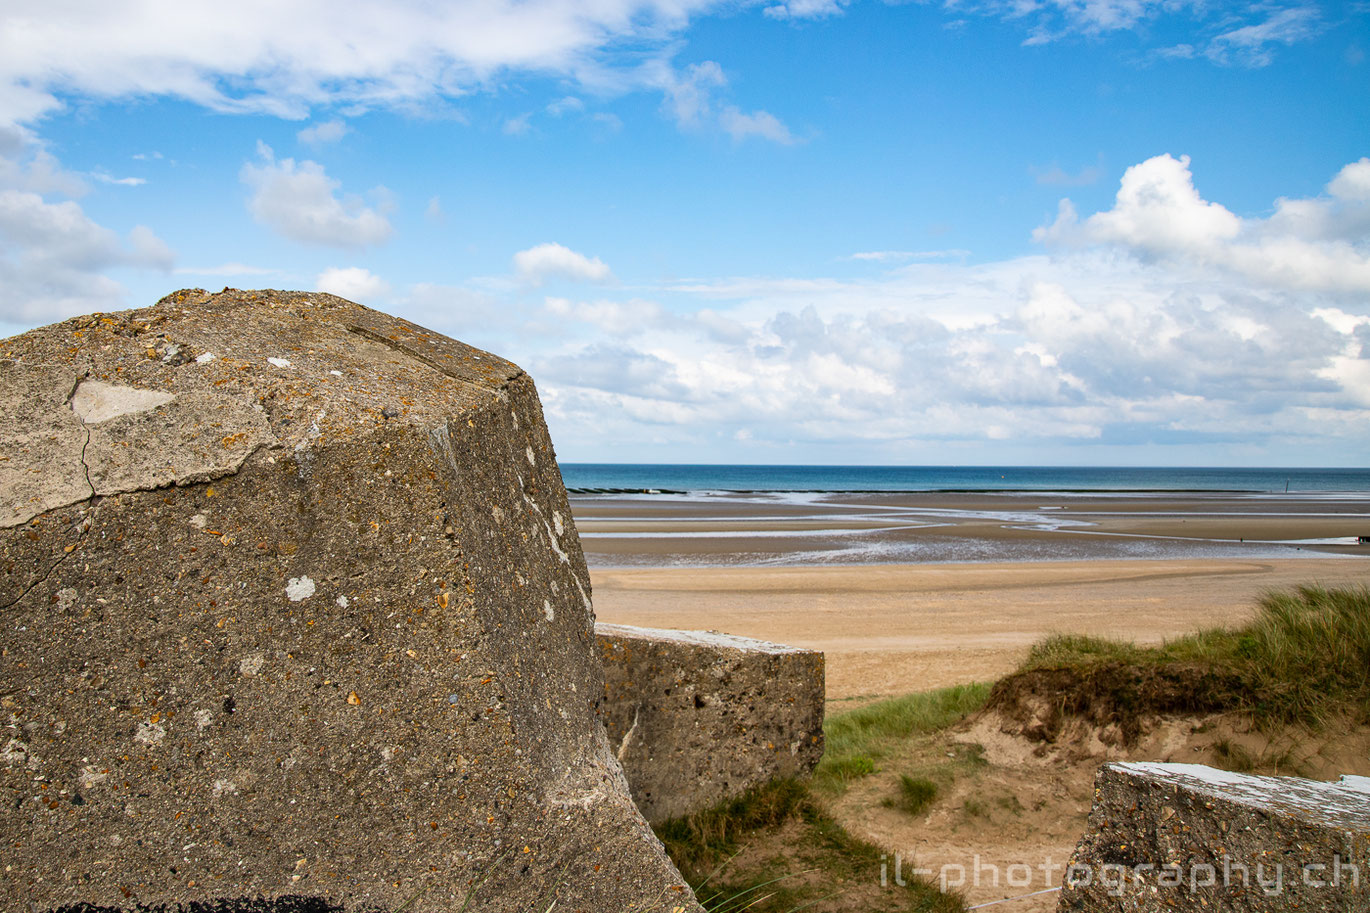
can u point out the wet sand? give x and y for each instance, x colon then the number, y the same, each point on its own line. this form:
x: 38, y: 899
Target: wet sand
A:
x: 812, y: 574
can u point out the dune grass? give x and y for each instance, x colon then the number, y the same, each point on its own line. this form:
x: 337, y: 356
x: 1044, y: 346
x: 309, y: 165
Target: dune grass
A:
x: 858, y: 739
x: 914, y: 796
x: 1303, y: 659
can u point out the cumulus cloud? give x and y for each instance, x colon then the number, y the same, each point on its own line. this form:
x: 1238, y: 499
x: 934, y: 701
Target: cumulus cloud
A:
x: 54, y: 257
x: 353, y: 283
x: 1158, y: 214
x: 320, y: 134
x: 1147, y: 325
x: 544, y: 261
x: 300, y: 202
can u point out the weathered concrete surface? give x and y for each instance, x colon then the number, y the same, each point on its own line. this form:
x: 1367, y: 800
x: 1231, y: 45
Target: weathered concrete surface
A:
x: 292, y: 616
x: 697, y: 717
x: 1188, y: 837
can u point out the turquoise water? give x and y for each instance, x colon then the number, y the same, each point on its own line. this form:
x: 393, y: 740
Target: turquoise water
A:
x: 583, y: 477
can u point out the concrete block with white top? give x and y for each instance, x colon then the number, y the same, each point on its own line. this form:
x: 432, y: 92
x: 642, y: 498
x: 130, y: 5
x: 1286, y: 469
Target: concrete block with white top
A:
x: 697, y: 717
x: 1179, y: 837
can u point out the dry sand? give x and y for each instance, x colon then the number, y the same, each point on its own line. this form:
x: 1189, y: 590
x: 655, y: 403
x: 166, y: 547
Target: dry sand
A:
x: 892, y: 629
x: 895, y: 628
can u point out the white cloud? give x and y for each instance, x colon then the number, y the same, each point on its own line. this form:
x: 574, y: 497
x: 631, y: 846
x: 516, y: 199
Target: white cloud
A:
x: 283, y: 57
x: 1252, y: 45
x: 104, y: 178
x: 760, y: 124
x: 689, y: 93
x: 353, y: 283
x: 536, y: 264
x: 565, y: 105
x: 1317, y: 244
x: 1153, y: 332
x: 53, y: 259
x: 1158, y: 211
x: 300, y: 202
x: 614, y: 318
x: 327, y: 132
x: 690, y: 101
x: 433, y: 212
x: 53, y: 256
x: 26, y: 165
x: 806, y: 9
x: 1243, y: 34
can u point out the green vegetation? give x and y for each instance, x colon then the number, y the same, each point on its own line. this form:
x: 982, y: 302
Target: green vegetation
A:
x: 1303, y: 660
x: 915, y: 795
x: 858, y: 739
x: 774, y: 850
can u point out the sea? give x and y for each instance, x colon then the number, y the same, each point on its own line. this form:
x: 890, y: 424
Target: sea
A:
x: 648, y: 478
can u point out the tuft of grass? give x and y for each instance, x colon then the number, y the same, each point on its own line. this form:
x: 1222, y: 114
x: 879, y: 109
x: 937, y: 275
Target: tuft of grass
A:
x: 1232, y: 756
x: 858, y: 739
x: 810, y: 862
x: 915, y: 795
x: 975, y: 808
x: 1302, y: 659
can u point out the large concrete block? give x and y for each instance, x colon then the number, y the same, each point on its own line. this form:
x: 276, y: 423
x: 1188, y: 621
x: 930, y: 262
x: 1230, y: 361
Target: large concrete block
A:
x: 1176, y: 837
x: 697, y: 717
x: 293, y: 616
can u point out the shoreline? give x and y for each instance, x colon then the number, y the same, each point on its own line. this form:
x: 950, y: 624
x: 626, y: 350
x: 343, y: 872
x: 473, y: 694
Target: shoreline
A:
x: 846, y: 528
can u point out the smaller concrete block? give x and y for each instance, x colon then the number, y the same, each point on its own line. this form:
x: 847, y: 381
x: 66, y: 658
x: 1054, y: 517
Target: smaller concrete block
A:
x: 1178, y: 837
x: 697, y: 717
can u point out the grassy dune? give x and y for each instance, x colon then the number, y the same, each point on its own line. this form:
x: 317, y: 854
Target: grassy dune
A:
x: 1301, y: 662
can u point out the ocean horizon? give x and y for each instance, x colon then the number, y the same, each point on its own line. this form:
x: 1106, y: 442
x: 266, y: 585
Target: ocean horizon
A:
x: 680, y: 478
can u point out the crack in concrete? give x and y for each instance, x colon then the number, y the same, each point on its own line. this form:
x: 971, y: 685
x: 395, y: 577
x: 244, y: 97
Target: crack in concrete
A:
x: 41, y: 580
x: 85, y: 426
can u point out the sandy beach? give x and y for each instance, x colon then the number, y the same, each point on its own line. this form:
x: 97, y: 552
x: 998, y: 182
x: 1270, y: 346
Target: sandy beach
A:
x: 811, y: 572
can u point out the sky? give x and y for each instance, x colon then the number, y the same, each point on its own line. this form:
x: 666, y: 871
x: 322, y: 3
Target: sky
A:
x: 993, y: 232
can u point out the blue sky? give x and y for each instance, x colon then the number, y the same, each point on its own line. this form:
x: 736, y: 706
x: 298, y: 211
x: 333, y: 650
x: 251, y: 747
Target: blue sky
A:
x: 799, y: 231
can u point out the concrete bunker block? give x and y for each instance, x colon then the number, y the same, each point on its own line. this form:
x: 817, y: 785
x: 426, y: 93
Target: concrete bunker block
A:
x: 292, y: 616
x: 697, y: 717
x: 1178, y: 837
